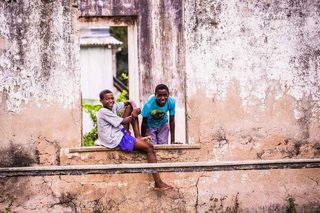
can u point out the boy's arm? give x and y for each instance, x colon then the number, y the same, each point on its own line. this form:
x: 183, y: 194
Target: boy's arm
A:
x: 144, y: 126
x: 172, y: 112
x: 172, y: 128
x: 127, y: 120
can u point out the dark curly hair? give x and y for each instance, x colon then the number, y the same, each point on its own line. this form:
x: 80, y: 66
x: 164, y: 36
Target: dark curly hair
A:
x: 161, y: 86
x: 103, y: 92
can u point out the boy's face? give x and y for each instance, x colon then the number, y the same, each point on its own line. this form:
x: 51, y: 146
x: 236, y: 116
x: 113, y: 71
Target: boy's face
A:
x: 162, y: 97
x: 108, y: 100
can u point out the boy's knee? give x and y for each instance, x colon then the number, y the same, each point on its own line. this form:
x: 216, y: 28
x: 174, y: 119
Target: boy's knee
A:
x: 129, y: 107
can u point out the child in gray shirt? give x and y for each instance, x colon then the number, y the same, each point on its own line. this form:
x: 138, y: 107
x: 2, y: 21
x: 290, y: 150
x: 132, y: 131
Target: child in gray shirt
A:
x: 113, y: 130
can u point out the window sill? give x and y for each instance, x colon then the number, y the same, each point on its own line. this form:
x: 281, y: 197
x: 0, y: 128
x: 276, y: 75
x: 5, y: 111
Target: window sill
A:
x: 157, y: 147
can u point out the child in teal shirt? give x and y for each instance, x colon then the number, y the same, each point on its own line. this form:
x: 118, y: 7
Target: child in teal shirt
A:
x: 155, y: 116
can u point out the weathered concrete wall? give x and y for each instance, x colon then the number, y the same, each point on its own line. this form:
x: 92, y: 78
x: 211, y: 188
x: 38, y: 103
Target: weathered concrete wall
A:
x: 252, y: 85
x: 253, y: 80
x: 39, y: 81
x: 238, y: 191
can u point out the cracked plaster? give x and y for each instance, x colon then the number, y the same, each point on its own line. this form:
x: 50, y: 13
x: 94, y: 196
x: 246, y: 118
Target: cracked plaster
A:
x: 32, y: 29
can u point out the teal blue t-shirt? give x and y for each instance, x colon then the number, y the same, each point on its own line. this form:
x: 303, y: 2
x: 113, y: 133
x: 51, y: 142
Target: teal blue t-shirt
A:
x: 157, y: 115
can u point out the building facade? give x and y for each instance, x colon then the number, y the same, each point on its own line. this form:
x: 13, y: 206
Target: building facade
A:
x: 245, y: 76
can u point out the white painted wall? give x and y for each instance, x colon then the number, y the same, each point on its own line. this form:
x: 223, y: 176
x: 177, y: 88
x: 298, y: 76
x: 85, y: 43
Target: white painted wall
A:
x: 96, y: 71
x: 96, y: 75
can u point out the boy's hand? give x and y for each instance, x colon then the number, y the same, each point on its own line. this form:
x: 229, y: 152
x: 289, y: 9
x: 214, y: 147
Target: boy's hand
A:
x: 136, y: 112
x: 127, y: 120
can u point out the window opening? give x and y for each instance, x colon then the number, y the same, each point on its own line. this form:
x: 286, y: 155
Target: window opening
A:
x: 104, y: 58
x: 115, y: 67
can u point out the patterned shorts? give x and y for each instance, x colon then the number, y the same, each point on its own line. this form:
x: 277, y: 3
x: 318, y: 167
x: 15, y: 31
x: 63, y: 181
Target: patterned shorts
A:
x: 160, y: 135
x: 127, y: 142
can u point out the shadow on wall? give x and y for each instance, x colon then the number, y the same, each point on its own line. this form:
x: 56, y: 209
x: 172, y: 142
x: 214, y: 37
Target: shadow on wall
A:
x: 15, y: 155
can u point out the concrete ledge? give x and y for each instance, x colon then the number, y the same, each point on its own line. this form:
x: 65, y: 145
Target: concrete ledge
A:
x: 159, y: 167
x: 157, y: 147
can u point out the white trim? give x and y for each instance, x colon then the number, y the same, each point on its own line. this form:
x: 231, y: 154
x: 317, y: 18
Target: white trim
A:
x: 134, y: 84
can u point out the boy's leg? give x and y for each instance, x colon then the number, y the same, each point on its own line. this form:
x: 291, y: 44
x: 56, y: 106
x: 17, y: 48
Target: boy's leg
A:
x: 134, y: 123
x: 136, y: 127
x: 163, y: 134
x: 126, y: 113
x: 142, y: 145
x: 153, y: 133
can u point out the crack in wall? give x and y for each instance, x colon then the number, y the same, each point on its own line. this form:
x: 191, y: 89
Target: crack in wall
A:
x: 316, y: 181
x: 48, y: 151
x: 67, y: 200
x: 197, y: 191
x: 197, y: 197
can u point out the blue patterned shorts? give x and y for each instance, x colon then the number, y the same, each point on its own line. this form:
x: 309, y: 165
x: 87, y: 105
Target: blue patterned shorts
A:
x: 127, y: 142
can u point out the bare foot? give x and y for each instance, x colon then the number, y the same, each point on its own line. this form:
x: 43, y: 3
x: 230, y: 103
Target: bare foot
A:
x: 146, y: 139
x: 162, y: 186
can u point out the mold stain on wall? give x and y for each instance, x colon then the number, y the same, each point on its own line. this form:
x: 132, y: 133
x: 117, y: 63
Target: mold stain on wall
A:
x: 14, y: 155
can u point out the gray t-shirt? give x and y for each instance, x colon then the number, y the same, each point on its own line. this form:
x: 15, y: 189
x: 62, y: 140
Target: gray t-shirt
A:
x: 109, y: 126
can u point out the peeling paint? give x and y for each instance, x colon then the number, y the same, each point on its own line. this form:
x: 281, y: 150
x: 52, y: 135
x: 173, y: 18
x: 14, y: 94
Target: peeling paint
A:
x: 39, y: 61
x: 236, y: 50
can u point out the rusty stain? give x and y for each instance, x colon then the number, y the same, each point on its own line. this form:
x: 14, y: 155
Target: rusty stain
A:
x: 46, y: 33
x: 146, y: 46
x: 17, y: 30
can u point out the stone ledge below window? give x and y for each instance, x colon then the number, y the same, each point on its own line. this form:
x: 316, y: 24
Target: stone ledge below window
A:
x: 160, y: 167
x: 103, y: 155
x: 157, y: 147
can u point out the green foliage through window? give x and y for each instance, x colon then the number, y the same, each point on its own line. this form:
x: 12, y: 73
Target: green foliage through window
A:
x: 121, y: 33
x: 123, y: 96
x: 90, y: 137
